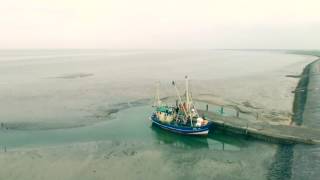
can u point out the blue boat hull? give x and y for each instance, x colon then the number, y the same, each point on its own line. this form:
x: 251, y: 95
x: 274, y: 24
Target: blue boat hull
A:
x: 203, y: 131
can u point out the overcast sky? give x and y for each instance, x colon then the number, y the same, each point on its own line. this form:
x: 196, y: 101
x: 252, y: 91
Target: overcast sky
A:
x: 165, y: 24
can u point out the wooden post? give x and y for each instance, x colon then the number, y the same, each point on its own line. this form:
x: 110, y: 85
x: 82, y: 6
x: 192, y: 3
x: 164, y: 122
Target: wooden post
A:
x: 207, y: 107
x: 238, y: 114
x: 257, y: 116
x: 247, y: 129
x: 221, y: 110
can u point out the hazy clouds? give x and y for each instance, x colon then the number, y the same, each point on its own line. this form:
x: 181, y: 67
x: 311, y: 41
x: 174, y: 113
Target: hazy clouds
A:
x: 160, y: 24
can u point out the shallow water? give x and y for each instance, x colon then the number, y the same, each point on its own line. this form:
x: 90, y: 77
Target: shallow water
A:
x: 132, y: 124
x: 83, y: 114
x: 132, y: 128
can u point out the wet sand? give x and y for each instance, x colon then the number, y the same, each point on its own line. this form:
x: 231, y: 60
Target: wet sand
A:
x: 53, y: 123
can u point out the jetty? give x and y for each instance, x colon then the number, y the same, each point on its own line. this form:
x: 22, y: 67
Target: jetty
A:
x: 296, y: 133
x: 305, y: 159
x: 284, y: 134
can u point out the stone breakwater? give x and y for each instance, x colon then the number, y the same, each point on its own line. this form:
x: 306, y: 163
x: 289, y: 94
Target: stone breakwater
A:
x: 306, y: 117
x: 306, y: 159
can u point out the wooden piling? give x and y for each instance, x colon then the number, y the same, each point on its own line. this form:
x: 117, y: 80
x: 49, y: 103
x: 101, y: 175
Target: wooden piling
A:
x: 247, y: 129
x: 221, y: 110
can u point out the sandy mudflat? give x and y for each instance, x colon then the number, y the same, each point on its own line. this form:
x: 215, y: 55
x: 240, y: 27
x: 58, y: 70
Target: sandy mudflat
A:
x: 31, y: 100
x: 92, y: 87
x: 130, y: 160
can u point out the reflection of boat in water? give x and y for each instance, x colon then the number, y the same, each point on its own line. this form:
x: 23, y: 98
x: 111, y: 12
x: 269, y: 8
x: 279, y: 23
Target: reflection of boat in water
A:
x: 178, y: 140
x: 182, y: 118
x: 216, y: 141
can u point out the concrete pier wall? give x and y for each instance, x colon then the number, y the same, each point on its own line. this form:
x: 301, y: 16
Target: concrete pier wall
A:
x: 306, y: 159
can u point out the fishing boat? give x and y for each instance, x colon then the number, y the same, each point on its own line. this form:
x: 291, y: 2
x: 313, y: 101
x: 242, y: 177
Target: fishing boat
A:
x: 182, y: 118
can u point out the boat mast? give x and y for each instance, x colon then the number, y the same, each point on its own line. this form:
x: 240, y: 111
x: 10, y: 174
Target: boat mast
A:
x: 157, y: 98
x: 180, y: 100
x: 187, y: 94
x: 188, y: 100
x: 192, y: 104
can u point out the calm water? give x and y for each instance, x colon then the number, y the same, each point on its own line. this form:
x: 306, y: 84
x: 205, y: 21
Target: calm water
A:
x: 62, y: 98
x: 189, y: 158
x: 132, y: 124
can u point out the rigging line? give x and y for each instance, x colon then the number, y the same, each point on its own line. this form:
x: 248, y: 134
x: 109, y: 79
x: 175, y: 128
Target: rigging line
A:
x: 195, y: 109
x: 157, y: 101
x: 177, y: 91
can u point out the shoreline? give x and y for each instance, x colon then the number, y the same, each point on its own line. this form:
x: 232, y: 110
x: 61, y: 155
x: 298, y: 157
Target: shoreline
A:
x: 229, y: 154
